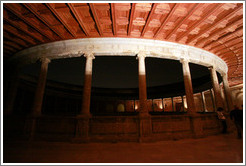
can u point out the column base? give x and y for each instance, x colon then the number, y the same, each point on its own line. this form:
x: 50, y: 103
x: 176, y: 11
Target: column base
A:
x: 30, y: 127
x: 82, y: 129
x: 196, y: 125
x: 145, y: 127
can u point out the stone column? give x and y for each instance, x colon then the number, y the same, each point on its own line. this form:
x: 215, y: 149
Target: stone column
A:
x: 30, y: 126
x: 212, y: 98
x: 215, y: 83
x: 227, y: 92
x: 203, y: 102
x: 188, y: 86
x: 83, y: 119
x: 85, y: 111
x: 195, y: 119
x: 145, y: 128
x: 38, y: 99
x: 142, y: 84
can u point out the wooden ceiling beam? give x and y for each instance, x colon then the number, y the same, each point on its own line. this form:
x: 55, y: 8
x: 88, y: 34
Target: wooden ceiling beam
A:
x: 196, y: 24
x: 215, y: 24
x: 95, y: 16
x: 20, y: 41
x: 229, y: 47
x: 195, y: 7
x: 131, y: 19
x: 166, y: 19
x: 43, y: 19
x: 9, y: 48
x: 53, y: 10
x: 222, y: 37
x: 219, y: 31
x: 79, y: 20
x: 21, y: 44
x: 28, y: 22
x: 221, y: 44
x: 232, y: 51
x: 12, y: 44
x: 113, y: 14
x: 22, y: 29
x: 149, y: 18
x: 25, y: 38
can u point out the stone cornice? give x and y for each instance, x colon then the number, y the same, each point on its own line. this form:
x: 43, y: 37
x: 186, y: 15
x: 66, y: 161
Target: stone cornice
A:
x: 122, y: 47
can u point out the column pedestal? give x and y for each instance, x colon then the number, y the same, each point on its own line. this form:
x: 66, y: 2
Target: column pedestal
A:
x: 196, y: 126
x: 82, y: 129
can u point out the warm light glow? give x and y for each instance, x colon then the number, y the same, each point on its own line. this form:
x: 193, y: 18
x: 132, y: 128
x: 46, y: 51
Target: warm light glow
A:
x: 160, y: 106
x: 185, y: 104
x: 136, y: 107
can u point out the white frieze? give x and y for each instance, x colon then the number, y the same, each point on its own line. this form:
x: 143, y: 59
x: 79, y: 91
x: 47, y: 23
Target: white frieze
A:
x: 121, y: 47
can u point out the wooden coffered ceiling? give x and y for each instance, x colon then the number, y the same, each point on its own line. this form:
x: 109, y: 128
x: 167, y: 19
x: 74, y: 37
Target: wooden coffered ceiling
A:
x: 215, y: 27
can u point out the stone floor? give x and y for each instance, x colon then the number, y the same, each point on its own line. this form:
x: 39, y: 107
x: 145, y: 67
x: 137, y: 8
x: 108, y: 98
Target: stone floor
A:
x: 213, y: 149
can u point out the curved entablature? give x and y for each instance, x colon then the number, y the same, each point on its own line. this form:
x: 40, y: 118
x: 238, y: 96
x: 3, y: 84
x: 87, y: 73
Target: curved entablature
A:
x: 122, y: 47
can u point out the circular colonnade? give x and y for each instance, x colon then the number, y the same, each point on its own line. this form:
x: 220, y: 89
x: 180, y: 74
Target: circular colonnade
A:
x: 93, y: 47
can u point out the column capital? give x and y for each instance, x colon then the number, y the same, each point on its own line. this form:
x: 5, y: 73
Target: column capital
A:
x: 224, y: 74
x: 89, y: 55
x: 210, y: 67
x: 182, y: 60
x: 45, y: 60
x: 141, y: 54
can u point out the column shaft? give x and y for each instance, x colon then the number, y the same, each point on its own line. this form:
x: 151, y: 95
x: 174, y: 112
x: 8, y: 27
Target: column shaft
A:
x: 215, y: 83
x: 142, y: 84
x: 87, y: 85
x: 227, y: 93
x: 38, y: 99
x: 188, y: 86
x: 203, y: 102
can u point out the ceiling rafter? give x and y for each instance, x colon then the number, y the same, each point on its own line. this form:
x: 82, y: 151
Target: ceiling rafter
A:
x: 196, y: 24
x: 79, y: 20
x: 9, y: 43
x: 219, y: 31
x: 222, y: 44
x: 15, y: 39
x: 9, y: 48
x: 131, y: 19
x: 232, y: 51
x: 30, y: 41
x: 228, y: 47
x: 149, y: 18
x: 113, y: 14
x: 31, y: 9
x: 53, y: 10
x: 196, y: 6
x: 16, y: 26
x: 166, y: 20
x: 95, y: 16
x: 28, y: 22
x: 214, y: 25
x: 20, y: 44
x: 222, y: 37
